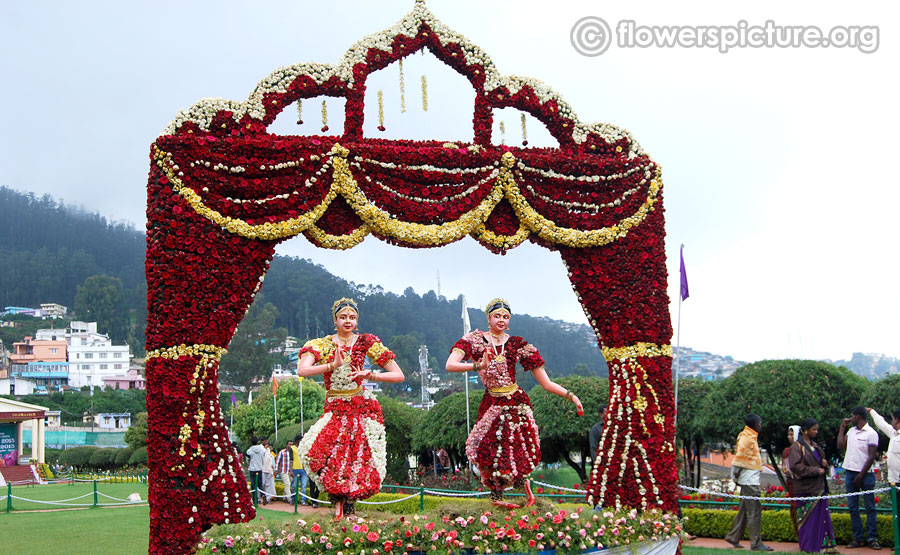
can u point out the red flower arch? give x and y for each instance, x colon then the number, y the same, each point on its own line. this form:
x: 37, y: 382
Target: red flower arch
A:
x: 223, y: 192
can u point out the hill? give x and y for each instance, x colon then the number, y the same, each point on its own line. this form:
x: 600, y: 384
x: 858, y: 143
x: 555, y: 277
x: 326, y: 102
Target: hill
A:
x: 50, y: 249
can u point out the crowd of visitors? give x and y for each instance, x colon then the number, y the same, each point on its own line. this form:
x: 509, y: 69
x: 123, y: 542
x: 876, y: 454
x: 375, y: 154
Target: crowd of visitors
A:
x: 805, y: 467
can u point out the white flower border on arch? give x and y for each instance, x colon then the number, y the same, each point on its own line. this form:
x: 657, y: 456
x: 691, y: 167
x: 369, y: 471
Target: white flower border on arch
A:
x: 203, y: 111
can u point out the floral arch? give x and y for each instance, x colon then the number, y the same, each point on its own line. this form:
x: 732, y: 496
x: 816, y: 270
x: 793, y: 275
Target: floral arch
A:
x: 223, y: 192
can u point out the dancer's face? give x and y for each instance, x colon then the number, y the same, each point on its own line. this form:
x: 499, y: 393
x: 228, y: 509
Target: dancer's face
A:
x: 346, y: 320
x: 499, y: 321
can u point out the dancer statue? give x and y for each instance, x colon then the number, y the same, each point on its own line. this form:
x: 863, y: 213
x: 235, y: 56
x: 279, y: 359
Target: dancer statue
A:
x: 345, y: 452
x: 504, y: 445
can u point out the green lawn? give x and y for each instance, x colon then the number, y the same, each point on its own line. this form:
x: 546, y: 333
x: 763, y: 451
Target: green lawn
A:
x: 83, y: 491
x: 122, y: 530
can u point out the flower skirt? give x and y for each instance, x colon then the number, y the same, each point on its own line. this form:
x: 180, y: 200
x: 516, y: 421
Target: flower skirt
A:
x: 345, y: 451
x: 504, y: 443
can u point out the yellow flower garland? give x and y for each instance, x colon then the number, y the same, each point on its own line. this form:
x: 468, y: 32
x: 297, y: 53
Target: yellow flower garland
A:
x: 382, y: 222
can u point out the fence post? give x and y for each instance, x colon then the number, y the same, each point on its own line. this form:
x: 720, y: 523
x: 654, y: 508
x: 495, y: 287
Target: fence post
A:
x: 95, y: 493
x: 894, y: 519
x: 9, y: 497
x: 422, y: 499
x: 253, y: 480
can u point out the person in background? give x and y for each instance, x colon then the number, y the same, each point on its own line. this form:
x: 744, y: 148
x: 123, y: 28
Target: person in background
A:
x: 891, y: 430
x: 268, y: 473
x: 301, y: 479
x: 745, y: 469
x: 443, y: 458
x: 861, y: 443
x: 284, y: 470
x: 793, y: 433
x: 809, y: 468
x: 255, y: 455
x: 596, y: 433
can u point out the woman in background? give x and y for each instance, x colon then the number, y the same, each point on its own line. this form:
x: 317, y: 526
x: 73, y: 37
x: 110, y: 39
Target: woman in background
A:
x: 809, y: 468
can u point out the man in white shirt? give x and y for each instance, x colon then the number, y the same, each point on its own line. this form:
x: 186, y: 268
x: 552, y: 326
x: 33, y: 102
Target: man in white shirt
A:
x: 891, y: 430
x: 860, y: 442
x: 255, y: 457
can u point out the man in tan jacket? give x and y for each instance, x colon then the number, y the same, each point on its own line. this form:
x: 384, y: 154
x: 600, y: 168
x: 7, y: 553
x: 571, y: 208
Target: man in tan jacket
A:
x: 745, y: 470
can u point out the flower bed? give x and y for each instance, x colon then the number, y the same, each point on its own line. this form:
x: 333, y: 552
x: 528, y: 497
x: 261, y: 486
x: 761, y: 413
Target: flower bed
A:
x: 448, y: 531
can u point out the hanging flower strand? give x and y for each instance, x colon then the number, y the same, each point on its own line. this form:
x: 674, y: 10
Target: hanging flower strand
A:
x: 424, y: 93
x: 502, y: 133
x: 380, y: 110
x: 524, y: 132
x: 299, y: 111
x: 324, y: 117
x: 402, y: 90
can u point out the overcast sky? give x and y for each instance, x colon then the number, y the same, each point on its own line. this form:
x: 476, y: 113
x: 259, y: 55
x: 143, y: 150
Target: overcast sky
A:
x: 778, y: 163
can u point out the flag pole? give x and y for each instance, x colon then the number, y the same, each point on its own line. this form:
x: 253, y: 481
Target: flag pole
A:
x: 275, y: 396
x: 682, y: 294
x: 301, y: 405
x: 466, y: 329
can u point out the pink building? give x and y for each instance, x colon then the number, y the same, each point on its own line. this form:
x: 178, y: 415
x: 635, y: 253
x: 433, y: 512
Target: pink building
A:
x: 131, y: 380
x: 31, y: 350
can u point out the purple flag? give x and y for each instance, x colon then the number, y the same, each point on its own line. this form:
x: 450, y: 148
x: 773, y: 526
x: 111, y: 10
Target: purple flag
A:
x: 684, y: 285
x: 233, y: 399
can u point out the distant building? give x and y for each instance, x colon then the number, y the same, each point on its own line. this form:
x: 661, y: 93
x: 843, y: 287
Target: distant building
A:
x: 53, y: 310
x: 37, y: 350
x: 91, y: 355
x: 47, y: 376
x: 130, y: 380
x: 109, y: 420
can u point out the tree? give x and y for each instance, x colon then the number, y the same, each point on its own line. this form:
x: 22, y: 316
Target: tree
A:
x: 691, y: 393
x: 562, y: 431
x: 399, y: 421
x: 258, y: 418
x: 253, y: 349
x: 406, y: 347
x: 100, y: 299
x: 444, y: 426
x: 136, y: 434
x: 782, y: 392
x: 883, y: 396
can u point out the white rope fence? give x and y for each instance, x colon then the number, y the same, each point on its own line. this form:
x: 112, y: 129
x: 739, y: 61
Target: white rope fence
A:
x: 733, y: 496
x: 453, y: 494
x: 388, y: 502
x: 546, y: 485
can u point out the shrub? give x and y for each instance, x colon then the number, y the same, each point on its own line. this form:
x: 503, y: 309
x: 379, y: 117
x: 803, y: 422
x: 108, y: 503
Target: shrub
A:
x: 139, y: 457
x: 776, y: 525
x: 78, y: 457
x: 103, y: 459
x: 123, y: 456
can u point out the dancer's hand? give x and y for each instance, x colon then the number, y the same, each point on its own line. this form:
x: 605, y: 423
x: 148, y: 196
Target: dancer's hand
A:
x: 338, y: 358
x: 577, y: 401
x: 485, y: 361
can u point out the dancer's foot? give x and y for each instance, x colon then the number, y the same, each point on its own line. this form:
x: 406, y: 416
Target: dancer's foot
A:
x: 529, y: 495
x: 506, y: 505
x: 338, y: 511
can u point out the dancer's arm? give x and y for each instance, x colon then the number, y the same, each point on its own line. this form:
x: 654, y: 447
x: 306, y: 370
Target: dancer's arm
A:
x: 392, y: 373
x: 455, y: 362
x: 307, y: 366
x: 544, y: 381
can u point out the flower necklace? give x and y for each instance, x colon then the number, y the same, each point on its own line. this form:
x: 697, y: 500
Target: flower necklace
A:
x: 499, y: 357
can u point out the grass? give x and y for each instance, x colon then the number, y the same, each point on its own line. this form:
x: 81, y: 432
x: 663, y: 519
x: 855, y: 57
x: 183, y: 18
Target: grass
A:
x: 122, y: 530
x: 57, y: 492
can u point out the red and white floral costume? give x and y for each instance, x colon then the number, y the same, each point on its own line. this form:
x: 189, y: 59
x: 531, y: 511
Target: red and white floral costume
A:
x: 504, y: 443
x: 345, y: 451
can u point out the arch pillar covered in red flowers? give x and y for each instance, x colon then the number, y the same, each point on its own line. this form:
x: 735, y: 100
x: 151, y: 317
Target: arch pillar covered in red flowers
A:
x: 222, y: 192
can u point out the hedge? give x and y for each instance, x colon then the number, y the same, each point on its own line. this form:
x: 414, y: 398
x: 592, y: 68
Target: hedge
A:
x: 776, y: 525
